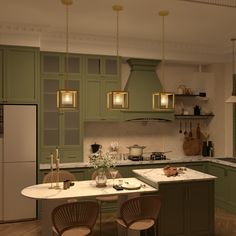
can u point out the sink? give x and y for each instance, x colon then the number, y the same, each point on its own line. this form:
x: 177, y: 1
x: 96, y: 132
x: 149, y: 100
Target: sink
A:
x: 230, y: 159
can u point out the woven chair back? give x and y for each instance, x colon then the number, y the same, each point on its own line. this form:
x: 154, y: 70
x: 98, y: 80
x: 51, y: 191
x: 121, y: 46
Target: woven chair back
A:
x: 74, y: 215
x: 140, y: 208
x: 63, y: 176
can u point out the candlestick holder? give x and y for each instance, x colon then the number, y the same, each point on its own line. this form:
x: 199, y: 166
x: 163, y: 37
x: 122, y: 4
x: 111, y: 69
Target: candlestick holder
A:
x: 51, y: 170
x: 54, y: 176
x: 57, y: 174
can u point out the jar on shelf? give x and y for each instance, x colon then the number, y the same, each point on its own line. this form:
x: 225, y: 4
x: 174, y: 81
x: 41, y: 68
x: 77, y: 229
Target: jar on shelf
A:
x: 197, y: 110
x: 181, y: 89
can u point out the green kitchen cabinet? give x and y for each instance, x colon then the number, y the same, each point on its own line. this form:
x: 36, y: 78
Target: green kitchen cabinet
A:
x: 126, y: 171
x: 101, y: 77
x: 225, y: 192
x: 104, y: 66
x: 62, y: 129
x: 55, y: 64
x: 221, y: 184
x: 19, y: 74
x: 198, y: 166
x: 231, y: 177
x: 187, y: 209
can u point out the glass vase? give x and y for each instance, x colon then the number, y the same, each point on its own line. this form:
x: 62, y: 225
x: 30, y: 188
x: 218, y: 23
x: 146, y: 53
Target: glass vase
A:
x: 101, y: 179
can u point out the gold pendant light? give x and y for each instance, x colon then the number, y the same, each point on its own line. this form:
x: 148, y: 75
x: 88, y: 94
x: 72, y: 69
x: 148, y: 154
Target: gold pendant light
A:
x: 117, y: 100
x: 163, y: 101
x: 67, y: 98
x: 232, y: 98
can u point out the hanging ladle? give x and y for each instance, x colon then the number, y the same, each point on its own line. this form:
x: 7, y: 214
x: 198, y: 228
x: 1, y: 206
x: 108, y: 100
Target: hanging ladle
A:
x: 185, y: 129
x: 180, y: 127
x: 190, y: 134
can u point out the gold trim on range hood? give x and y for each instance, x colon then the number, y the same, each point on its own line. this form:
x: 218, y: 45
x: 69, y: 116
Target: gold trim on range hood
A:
x: 142, y: 83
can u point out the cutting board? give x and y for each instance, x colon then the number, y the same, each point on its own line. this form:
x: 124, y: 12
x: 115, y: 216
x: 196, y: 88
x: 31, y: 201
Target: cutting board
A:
x: 192, y: 146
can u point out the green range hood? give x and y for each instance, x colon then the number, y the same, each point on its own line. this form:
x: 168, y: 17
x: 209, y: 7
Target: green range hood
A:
x: 142, y: 83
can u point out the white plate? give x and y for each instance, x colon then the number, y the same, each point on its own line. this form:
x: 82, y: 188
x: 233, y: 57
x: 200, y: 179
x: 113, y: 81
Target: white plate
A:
x: 131, y: 186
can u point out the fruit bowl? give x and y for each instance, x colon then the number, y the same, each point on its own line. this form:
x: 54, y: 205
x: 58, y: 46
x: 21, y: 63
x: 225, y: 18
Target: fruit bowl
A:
x: 170, y: 171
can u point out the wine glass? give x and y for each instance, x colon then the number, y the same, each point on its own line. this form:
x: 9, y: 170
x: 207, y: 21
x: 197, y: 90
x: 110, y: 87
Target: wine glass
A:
x: 113, y: 173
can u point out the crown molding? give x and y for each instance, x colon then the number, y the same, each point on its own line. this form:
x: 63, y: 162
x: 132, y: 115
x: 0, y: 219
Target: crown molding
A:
x: 7, y: 27
x: 54, y: 40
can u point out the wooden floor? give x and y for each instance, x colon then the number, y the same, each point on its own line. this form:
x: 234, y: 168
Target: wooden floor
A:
x: 225, y: 225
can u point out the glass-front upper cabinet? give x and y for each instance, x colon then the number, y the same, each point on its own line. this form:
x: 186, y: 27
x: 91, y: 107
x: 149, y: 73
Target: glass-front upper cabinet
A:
x: 50, y: 113
x: 62, y: 129
x: 71, y: 120
x: 102, y: 76
x: 56, y: 63
x: 101, y: 66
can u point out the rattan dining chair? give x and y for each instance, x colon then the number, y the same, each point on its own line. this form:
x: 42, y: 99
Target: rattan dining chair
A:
x: 140, y: 213
x: 105, y: 199
x: 63, y: 176
x: 75, y: 219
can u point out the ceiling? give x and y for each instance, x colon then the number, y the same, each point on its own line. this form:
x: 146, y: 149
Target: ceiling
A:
x: 190, y: 23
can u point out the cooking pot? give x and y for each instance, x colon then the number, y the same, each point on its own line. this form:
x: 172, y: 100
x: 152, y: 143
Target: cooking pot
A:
x: 95, y: 147
x: 136, y: 150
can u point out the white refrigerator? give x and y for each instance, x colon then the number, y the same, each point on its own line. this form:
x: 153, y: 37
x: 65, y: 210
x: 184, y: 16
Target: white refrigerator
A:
x: 18, y: 155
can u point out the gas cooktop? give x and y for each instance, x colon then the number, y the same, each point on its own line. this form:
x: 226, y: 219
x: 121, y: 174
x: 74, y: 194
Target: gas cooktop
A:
x: 157, y: 156
x: 135, y: 158
x: 153, y: 156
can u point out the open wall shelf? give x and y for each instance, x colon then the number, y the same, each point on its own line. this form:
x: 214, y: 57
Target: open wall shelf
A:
x: 192, y: 117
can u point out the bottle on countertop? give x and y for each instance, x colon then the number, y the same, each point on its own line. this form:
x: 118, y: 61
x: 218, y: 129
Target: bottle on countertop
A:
x: 210, y: 149
x: 204, y: 149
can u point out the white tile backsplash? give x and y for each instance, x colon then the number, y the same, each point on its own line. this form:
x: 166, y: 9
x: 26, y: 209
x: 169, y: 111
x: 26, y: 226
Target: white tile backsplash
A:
x: 156, y: 136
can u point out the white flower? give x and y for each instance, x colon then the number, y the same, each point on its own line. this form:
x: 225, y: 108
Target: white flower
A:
x: 101, y: 160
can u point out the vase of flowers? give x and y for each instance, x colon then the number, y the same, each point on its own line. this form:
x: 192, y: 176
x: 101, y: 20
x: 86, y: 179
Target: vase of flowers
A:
x: 102, y: 162
x: 101, y: 179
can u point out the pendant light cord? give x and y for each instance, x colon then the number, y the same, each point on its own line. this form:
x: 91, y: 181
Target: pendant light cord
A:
x: 233, y: 39
x: 163, y: 14
x: 163, y: 53
x: 233, y: 58
x: 117, y: 35
x: 67, y: 41
x: 117, y: 8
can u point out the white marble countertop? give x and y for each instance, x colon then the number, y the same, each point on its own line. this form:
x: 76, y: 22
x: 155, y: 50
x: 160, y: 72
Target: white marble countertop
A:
x: 128, y: 162
x: 83, y: 189
x: 157, y: 176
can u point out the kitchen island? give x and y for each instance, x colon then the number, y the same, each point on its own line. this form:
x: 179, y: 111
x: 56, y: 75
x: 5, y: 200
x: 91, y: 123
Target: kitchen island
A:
x: 187, y: 201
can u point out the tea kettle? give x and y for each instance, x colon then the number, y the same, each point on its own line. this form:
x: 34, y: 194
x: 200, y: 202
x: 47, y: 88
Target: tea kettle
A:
x: 95, y: 147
